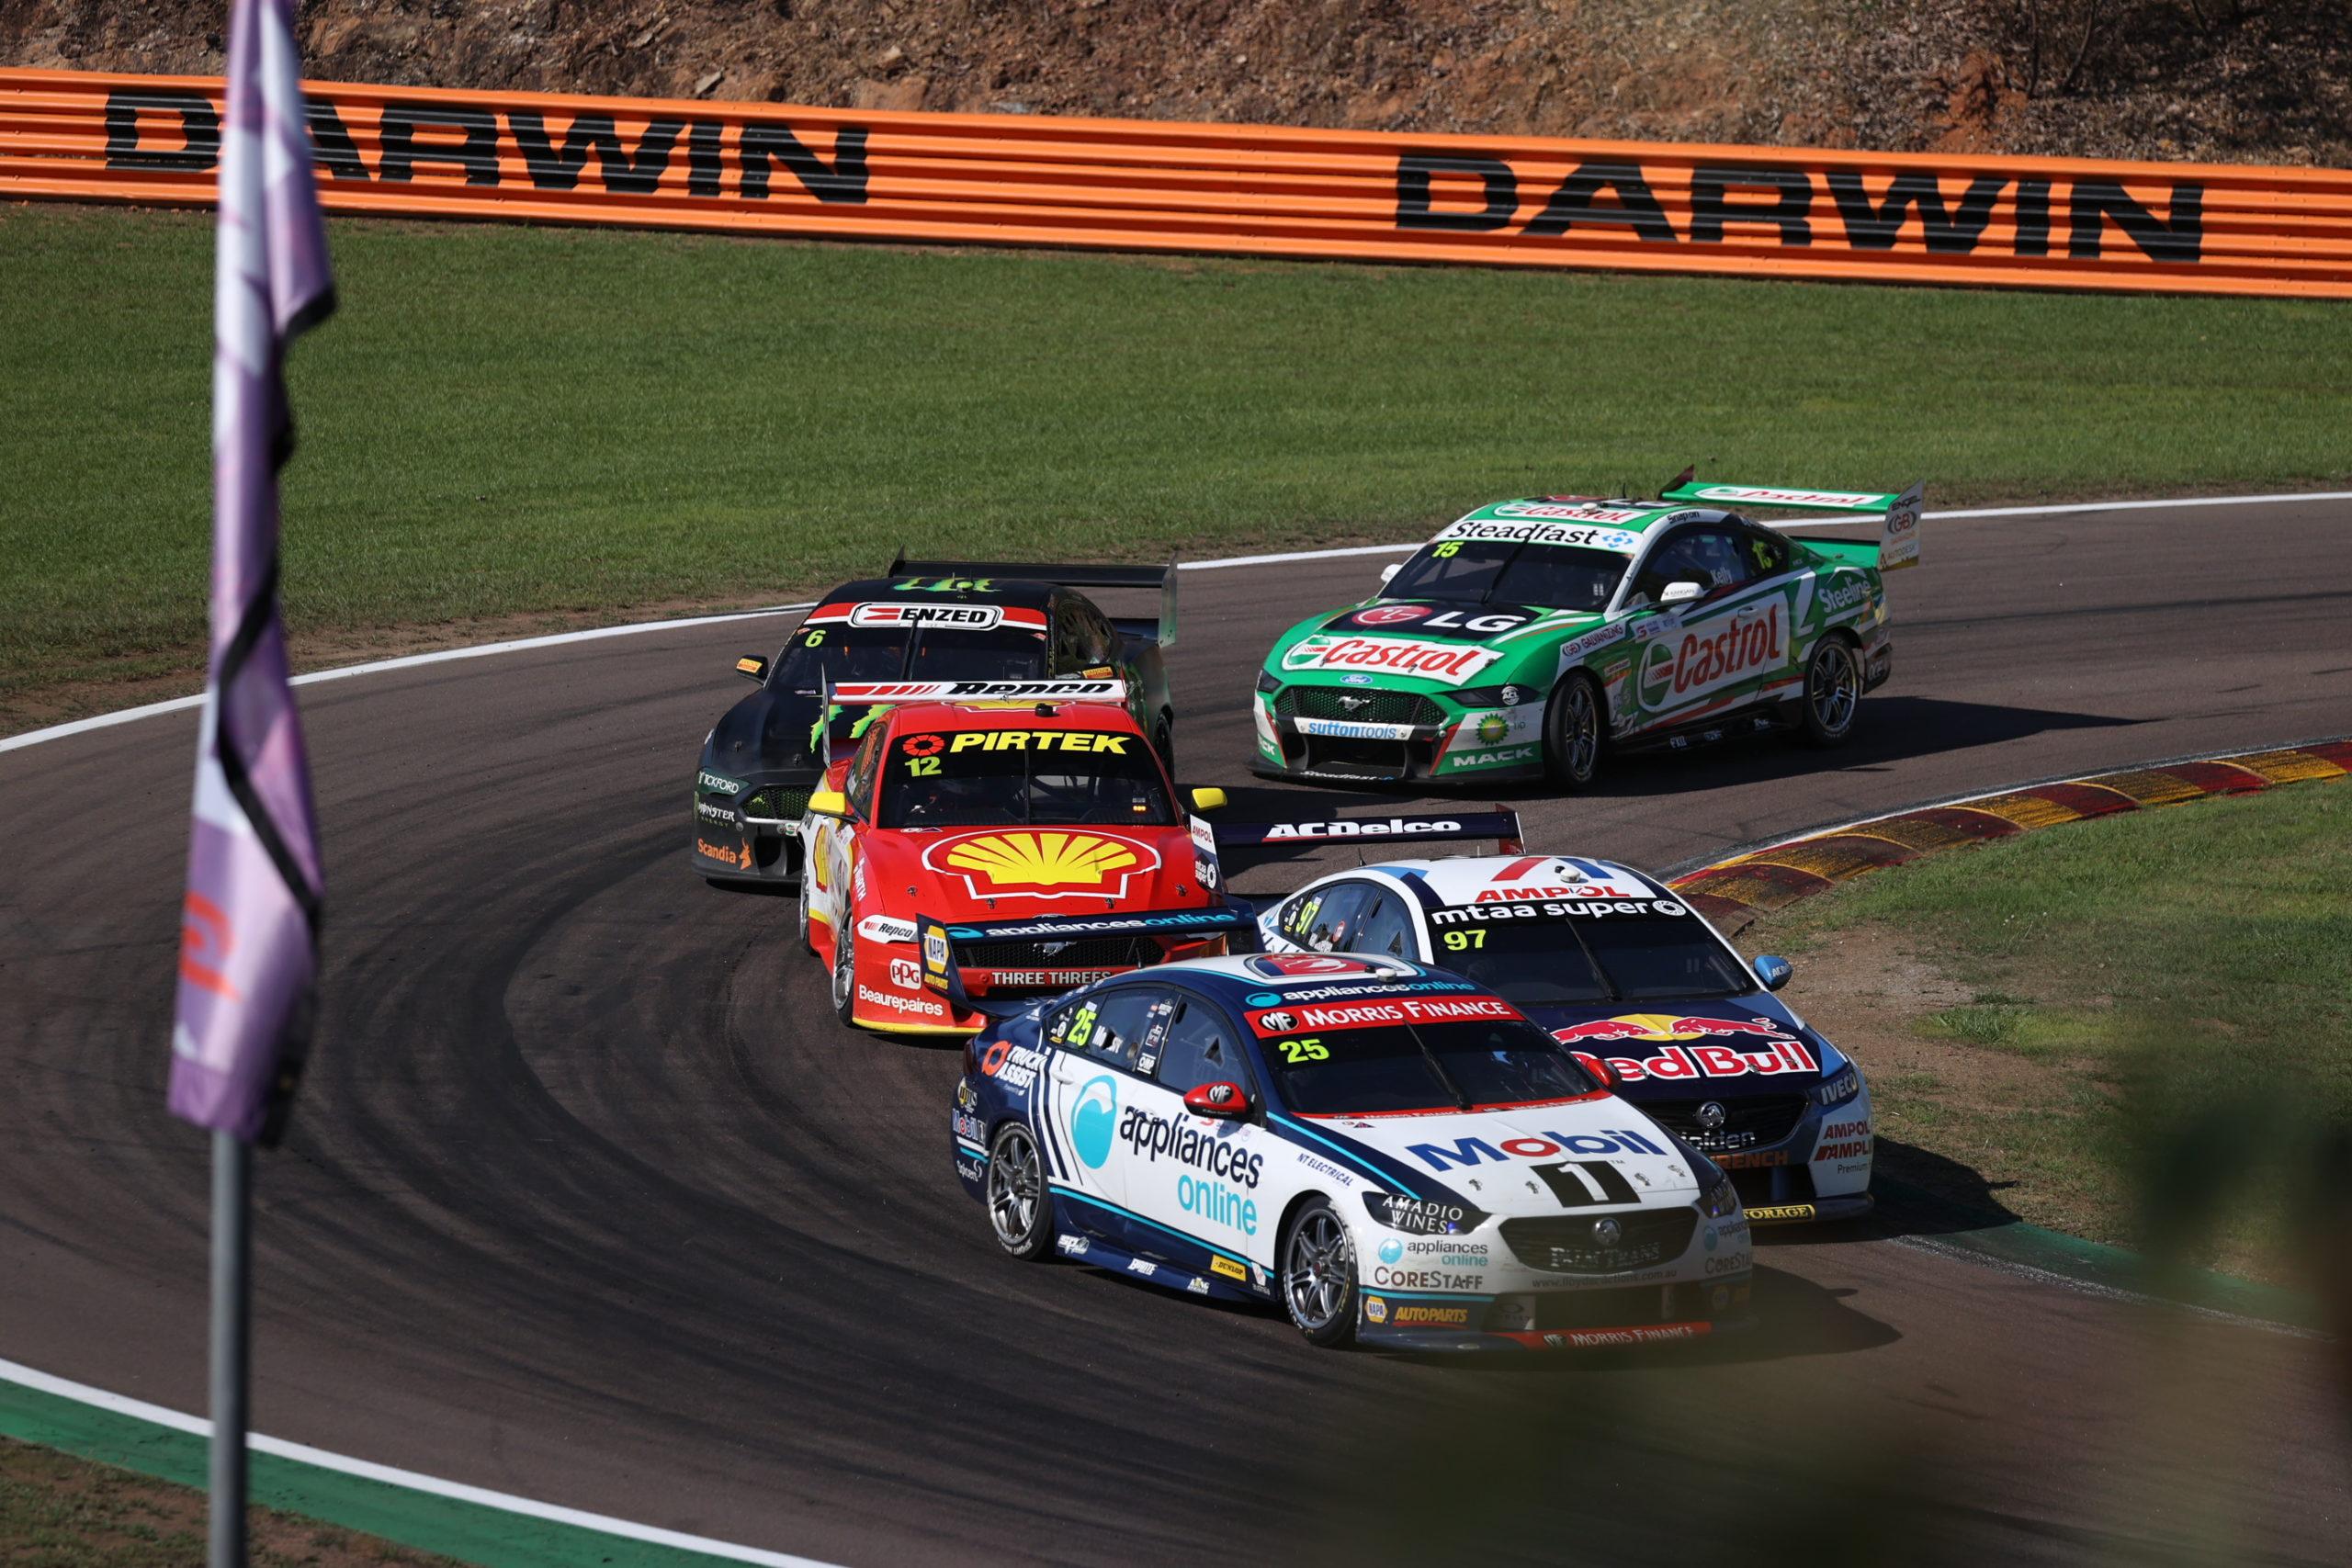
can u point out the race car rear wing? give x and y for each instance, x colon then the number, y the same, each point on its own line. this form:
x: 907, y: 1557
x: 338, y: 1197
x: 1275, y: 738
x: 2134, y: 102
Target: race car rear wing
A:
x: 838, y: 721
x: 1898, y: 537
x: 1250, y: 843
x: 941, y: 939
x: 1141, y: 628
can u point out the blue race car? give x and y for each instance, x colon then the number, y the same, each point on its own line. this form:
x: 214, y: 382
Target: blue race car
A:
x: 1391, y: 1153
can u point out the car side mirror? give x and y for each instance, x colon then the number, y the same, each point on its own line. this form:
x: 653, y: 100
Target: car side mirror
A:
x: 1209, y: 799
x: 1388, y: 573
x: 1224, y: 1101
x: 1680, y: 592
x: 1773, y: 971
x: 1608, y: 1076
x: 752, y: 668
x: 828, y: 802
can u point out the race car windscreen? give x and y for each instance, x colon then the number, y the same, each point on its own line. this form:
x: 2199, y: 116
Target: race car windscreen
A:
x: 1509, y: 571
x: 1536, y: 962
x: 1040, y: 777
x: 1423, y: 1067
x: 846, y: 654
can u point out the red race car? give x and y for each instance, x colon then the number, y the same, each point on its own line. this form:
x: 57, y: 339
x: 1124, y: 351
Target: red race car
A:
x: 1025, y: 803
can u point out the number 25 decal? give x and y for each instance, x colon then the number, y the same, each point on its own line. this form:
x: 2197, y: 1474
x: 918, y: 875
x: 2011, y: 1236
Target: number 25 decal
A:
x: 1310, y: 1049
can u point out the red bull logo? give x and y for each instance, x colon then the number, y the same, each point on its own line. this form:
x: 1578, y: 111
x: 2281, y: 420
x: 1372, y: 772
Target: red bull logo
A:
x: 1779, y: 1051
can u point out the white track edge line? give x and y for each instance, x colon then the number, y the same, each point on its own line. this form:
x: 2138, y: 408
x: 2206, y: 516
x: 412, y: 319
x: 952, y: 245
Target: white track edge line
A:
x: 367, y: 1470
x: 411, y: 661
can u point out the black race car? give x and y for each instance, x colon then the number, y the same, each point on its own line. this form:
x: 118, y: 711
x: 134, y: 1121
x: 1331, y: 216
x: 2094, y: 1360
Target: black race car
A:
x: 927, y: 620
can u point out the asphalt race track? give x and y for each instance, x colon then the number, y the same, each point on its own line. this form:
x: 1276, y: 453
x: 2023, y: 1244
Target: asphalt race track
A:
x: 589, y: 1199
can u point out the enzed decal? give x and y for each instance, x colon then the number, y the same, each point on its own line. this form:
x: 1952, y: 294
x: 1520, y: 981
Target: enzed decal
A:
x: 1043, y: 864
x: 1447, y: 663
x: 961, y: 617
x: 1779, y: 1049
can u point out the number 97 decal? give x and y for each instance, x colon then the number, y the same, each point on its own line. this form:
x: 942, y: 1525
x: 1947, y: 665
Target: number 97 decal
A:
x: 1462, y: 941
x: 1311, y: 1049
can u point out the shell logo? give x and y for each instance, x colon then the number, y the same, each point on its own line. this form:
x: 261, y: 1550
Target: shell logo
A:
x: 1043, y: 864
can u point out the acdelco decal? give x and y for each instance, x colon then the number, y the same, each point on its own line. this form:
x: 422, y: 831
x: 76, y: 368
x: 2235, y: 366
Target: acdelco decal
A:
x: 1716, y: 655
x: 1451, y: 663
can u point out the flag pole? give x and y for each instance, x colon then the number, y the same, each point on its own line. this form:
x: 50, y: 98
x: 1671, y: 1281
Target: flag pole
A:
x: 231, y: 1268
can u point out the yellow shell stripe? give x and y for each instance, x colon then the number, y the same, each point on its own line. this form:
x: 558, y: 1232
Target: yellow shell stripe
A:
x: 1041, y: 860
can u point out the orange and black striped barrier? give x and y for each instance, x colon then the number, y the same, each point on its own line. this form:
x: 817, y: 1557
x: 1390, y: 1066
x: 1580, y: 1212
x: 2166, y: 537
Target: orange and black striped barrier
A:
x: 1235, y: 189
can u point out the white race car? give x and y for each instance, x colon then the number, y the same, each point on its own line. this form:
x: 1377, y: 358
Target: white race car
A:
x: 1639, y: 986
x: 1393, y: 1153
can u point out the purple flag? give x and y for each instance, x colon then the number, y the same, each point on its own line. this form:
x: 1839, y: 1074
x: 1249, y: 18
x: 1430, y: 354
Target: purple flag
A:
x: 249, y: 926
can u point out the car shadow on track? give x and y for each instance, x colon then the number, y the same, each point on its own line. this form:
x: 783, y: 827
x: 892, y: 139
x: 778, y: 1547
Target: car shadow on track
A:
x: 1921, y: 1193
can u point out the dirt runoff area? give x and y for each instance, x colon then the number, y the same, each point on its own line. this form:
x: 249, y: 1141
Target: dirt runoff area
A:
x: 2257, y: 81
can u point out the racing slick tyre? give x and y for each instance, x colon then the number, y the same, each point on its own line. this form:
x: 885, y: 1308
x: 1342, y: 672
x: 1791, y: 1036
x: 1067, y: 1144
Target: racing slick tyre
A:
x: 1833, y: 692
x: 1018, y: 1211
x: 801, y: 917
x: 1572, y: 732
x: 845, y: 974
x: 1318, y: 1276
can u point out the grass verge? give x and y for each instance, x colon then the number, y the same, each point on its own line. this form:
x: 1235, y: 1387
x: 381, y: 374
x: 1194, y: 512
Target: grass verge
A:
x: 57, y: 1511
x: 2135, y: 1030
x: 507, y: 422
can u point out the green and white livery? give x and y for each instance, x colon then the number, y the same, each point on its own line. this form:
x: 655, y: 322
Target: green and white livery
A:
x: 1531, y: 637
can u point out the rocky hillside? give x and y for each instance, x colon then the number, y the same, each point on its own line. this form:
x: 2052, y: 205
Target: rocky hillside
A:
x: 2231, y: 80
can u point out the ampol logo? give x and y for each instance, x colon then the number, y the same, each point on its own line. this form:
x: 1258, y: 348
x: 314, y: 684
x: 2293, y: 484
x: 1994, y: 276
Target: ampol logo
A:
x: 1094, y: 1119
x: 1049, y: 866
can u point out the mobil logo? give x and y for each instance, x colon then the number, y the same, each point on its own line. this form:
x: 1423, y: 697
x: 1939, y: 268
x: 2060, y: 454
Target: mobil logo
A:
x: 1310, y: 965
x: 1538, y: 1146
x: 1094, y: 1119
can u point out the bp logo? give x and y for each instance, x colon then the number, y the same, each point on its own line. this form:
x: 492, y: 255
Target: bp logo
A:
x: 1390, y: 1251
x: 1094, y: 1118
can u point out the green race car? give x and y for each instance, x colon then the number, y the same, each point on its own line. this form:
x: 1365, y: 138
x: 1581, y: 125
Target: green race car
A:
x: 1532, y: 635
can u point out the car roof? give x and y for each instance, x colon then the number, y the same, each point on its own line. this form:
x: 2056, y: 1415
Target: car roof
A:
x: 1236, y: 979
x: 1637, y: 517
x: 1000, y: 590
x: 1457, y: 880
x: 931, y: 715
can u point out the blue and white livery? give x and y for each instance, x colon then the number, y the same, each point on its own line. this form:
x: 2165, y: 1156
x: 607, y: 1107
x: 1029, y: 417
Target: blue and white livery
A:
x: 1393, y: 1154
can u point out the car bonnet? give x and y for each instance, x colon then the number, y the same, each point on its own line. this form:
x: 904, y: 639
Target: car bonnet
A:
x: 1499, y: 1159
